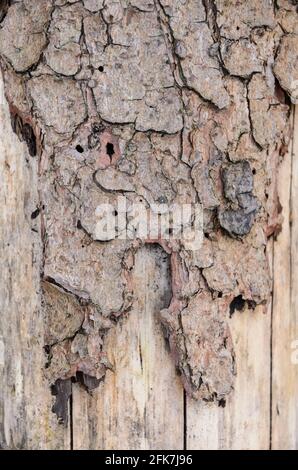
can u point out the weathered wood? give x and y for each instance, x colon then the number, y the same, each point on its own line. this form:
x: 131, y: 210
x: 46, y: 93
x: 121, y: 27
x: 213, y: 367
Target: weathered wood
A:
x: 244, y: 422
x: 285, y: 308
x: 140, y: 404
x: 25, y: 400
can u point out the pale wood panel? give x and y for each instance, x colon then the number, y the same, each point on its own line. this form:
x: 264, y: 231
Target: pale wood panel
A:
x: 140, y: 406
x: 244, y: 423
x: 285, y: 309
x: 25, y: 400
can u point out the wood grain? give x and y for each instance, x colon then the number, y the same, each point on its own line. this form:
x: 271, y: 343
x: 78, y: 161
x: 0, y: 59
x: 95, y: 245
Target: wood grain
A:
x: 245, y: 420
x: 140, y: 404
x: 25, y: 400
x: 285, y: 308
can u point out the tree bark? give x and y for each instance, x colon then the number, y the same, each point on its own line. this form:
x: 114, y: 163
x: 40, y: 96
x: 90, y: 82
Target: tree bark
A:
x: 163, y: 102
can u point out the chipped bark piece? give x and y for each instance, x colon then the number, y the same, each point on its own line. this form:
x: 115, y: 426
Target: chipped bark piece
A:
x: 161, y: 112
x: 237, y: 179
x: 241, y: 58
x: 126, y: 92
x: 237, y: 222
x: 68, y: 106
x: 93, y: 5
x: 203, y: 185
x: 63, y: 316
x: 235, y: 121
x: 65, y: 61
x: 238, y: 186
x: 268, y: 115
x: 249, y: 203
x: 200, y: 69
x: 252, y: 14
x: 287, y: 16
x: 113, y: 12
x: 228, y: 275
x: 152, y: 169
x: 202, y: 352
x: 23, y: 49
x: 286, y: 65
x: 246, y: 149
x: 63, y: 53
x: 96, y: 39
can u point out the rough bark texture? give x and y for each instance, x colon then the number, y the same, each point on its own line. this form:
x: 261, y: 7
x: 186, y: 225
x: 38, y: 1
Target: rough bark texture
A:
x: 164, y: 101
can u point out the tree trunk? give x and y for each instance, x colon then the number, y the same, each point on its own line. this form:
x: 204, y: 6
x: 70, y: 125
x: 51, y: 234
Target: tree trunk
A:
x: 112, y: 109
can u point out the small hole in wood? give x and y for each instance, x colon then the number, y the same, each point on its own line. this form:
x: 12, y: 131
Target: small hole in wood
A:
x: 79, y: 148
x: 35, y: 213
x: 110, y: 149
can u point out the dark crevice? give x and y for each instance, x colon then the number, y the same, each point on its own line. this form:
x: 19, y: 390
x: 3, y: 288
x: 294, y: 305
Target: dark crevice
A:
x: 238, y: 303
x: 87, y: 381
x: 184, y: 420
x: 25, y: 133
x: 4, y: 5
x: 30, y: 139
x: 61, y: 389
x: 71, y: 430
x: 35, y: 213
x: 82, y: 300
x: 110, y: 149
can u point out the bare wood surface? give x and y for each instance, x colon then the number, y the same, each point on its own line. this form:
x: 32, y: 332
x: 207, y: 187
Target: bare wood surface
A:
x: 245, y: 420
x: 137, y: 406
x: 285, y: 308
x: 25, y: 400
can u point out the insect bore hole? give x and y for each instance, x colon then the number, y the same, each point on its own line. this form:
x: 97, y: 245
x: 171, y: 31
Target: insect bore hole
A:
x: 79, y: 148
x: 110, y: 149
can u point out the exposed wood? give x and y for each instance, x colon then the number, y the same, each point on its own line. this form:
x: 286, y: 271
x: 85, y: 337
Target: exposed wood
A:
x: 25, y: 400
x: 137, y: 407
x: 285, y: 308
x: 245, y: 420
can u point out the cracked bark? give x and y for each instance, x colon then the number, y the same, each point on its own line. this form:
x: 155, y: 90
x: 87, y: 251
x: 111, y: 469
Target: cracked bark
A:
x: 162, y: 101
